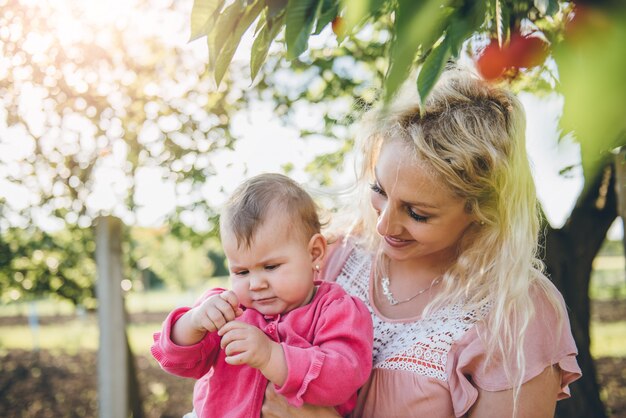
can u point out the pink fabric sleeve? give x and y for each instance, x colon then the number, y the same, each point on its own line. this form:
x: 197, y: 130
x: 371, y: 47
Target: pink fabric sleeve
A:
x: 339, y: 360
x: 336, y: 257
x: 544, y: 345
x: 186, y: 361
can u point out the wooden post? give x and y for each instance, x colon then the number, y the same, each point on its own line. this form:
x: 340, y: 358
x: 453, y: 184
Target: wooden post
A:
x: 112, y: 353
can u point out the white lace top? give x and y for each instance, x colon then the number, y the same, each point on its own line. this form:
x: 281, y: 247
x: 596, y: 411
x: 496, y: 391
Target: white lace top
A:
x: 419, y: 346
x: 432, y: 367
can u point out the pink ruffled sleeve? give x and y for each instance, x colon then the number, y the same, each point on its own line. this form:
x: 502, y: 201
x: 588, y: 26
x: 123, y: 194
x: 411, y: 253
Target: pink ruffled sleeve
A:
x: 186, y: 361
x: 336, y: 257
x: 546, y: 343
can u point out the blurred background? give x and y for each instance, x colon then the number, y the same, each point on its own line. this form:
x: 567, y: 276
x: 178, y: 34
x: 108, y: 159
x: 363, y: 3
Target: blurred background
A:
x: 117, y: 148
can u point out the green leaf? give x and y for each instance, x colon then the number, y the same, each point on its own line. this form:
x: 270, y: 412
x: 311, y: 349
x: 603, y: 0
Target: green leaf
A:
x: 330, y: 10
x: 242, y: 24
x: 419, y: 25
x: 203, y: 15
x: 547, y: 7
x: 463, y: 24
x: 275, y: 7
x: 225, y: 26
x: 210, y: 40
x: 359, y: 11
x: 260, y: 23
x: 458, y: 31
x: 432, y: 68
x: 301, y: 14
x: 261, y: 45
x: 591, y: 80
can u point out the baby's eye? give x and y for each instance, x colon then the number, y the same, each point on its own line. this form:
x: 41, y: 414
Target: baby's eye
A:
x: 240, y: 272
x: 271, y: 267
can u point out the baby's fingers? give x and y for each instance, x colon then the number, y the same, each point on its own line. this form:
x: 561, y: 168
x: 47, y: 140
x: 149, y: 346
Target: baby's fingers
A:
x: 230, y: 297
x: 237, y: 359
x: 226, y: 310
x: 207, y: 324
x: 234, y: 348
x: 216, y: 317
x: 229, y: 334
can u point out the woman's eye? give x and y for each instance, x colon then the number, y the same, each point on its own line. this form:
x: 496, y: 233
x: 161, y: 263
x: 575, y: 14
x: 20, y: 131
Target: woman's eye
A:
x: 418, y: 218
x: 377, y: 189
x: 271, y: 267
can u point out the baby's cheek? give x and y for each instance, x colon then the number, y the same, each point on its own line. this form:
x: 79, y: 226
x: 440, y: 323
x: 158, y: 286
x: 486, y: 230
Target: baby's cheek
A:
x: 241, y: 291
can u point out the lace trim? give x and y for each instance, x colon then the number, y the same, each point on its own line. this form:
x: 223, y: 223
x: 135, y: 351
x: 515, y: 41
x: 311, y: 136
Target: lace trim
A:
x: 419, y: 346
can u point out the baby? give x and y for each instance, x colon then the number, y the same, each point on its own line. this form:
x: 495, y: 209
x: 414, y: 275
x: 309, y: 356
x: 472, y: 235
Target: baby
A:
x: 277, y: 324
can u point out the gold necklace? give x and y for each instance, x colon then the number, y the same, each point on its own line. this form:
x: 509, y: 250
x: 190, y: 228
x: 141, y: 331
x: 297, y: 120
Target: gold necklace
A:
x: 393, y: 301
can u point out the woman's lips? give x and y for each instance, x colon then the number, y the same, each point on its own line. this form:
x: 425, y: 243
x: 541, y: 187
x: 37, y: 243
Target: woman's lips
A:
x: 396, y: 242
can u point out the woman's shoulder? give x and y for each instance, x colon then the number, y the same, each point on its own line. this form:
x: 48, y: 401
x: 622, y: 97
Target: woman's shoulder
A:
x: 340, y: 250
x: 547, y: 341
x: 547, y: 300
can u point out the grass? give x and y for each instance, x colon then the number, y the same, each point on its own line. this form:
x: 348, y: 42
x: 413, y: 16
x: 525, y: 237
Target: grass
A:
x: 152, y: 301
x: 81, y: 333
x: 71, y: 336
x: 607, y: 339
x: 608, y: 279
x: 48, y: 307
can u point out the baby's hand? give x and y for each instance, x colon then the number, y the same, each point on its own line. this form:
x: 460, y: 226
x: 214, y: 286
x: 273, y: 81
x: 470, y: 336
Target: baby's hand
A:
x: 245, y: 344
x: 215, y: 312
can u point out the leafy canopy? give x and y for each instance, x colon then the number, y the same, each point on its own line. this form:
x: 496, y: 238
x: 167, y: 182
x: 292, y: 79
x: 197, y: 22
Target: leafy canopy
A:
x: 586, y: 64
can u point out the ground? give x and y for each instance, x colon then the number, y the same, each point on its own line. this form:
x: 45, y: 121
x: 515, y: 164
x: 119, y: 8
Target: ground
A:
x: 55, y: 384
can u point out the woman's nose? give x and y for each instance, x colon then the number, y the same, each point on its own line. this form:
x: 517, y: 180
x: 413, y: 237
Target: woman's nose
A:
x: 387, y: 221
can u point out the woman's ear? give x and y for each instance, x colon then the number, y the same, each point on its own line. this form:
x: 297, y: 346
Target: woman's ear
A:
x: 317, y: 249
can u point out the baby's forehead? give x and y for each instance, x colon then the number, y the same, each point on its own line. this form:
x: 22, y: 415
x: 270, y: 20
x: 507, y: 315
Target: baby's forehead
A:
x: 279, y: 224
x: 276, y: 227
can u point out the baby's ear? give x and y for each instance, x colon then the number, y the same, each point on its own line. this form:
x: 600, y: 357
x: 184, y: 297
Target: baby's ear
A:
x: 317, y: 249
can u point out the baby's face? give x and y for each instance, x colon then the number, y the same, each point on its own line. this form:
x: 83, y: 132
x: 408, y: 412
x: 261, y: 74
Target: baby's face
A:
x: 275, y: 274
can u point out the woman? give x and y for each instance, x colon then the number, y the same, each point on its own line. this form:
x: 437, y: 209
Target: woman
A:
x: 444, y: 255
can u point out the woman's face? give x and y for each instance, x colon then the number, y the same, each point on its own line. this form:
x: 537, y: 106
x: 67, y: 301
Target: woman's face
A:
x: 419, y: 218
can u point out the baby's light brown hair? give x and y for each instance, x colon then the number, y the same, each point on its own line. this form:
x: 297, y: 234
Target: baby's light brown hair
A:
x: 269, y: 194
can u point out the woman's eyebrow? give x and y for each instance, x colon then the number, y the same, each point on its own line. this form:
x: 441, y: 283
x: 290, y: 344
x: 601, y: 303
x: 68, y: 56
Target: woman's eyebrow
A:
x: 417, y: 203
x: 421, y: 204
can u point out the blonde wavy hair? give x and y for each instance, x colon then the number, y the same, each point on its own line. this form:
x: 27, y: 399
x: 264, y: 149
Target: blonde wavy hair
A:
x: 472, y: 136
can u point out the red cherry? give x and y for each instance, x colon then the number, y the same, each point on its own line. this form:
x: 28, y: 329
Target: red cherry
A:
x: 492, y: 61
x: 526, y: 51
x: 520, y: 52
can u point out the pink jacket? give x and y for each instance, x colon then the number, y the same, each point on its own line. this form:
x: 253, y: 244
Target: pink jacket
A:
x: 327, y: 344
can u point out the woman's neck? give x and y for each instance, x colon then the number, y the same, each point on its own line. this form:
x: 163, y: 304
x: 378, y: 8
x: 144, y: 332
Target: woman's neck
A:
x: 418, y: 272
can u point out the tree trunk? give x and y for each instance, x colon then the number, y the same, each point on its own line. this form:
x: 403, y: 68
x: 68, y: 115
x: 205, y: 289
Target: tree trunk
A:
x: 569, y: 253
x: 620, y: 187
